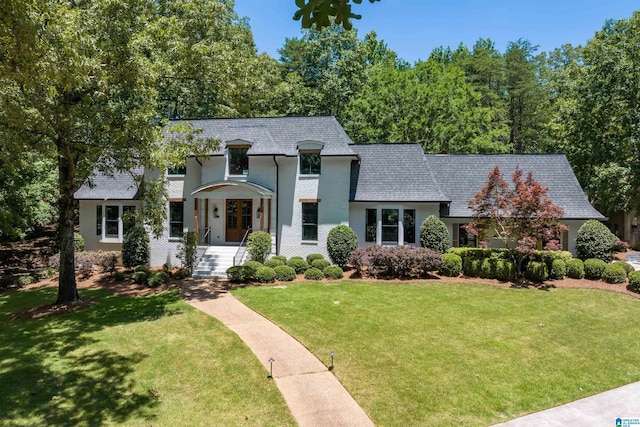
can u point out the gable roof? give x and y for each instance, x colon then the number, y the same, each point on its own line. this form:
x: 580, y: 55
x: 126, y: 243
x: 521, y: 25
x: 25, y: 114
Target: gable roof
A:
x: 393, y: 173
x: 461, y: 176
x: 278, y: 135
x: 120, y: 186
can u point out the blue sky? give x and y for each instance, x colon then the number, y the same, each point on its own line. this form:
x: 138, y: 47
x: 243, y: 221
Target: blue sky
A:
x: 413, y: 28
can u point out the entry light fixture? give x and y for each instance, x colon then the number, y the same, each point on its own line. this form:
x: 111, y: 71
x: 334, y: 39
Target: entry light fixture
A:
x: 215, y: 212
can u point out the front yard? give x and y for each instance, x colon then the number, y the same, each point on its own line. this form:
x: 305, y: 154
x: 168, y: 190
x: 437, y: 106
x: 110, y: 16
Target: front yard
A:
x: 459, y: 354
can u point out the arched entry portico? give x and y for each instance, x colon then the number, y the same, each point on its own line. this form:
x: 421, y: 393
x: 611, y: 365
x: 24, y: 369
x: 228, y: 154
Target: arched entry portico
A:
x: 226, y: 210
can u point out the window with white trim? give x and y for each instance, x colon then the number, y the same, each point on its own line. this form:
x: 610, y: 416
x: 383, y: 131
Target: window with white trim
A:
x: 238, y: 160
x: 176, y: 219
x: 390, y: 225
x: 310, y: 162
x: 310, y: 221
x: 112, y: 221
x: 180, y: 170
x: 371, y: 226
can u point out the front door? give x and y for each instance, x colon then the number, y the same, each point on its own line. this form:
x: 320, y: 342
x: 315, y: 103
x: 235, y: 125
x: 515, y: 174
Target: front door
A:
x: 238, y: 219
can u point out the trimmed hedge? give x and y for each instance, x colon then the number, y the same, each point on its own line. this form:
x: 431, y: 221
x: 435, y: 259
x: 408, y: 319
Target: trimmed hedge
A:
x: 471, y: 266
x: 614, y: 273
x: 333, y: 272
x: 505, y: 270
x: 320, y: 264
x: 537, y: 271
x: 627, y: 267
x: 434, y: 234
x: 575, y: 268
x: 593, y: 268
x: 259, y: 245
x: 313, y: 257
x: 594, y: 240
x: 313, y: 274
x: 251, y: 268
x: 135, y: 247
x: 265, y: 275
x: 239, y: 273
x: 273, y: 262
x: 281, y: 258
x: 451, y: 265
x: 341, y: 241
x: 395, y: 261
x: 558, y: 269
x: 298, y: 263
x: 634, y: 281
x: 284, y: 273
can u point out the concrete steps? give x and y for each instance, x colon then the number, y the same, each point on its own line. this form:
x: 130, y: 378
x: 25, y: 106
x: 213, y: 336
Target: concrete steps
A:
x: 215, y: 261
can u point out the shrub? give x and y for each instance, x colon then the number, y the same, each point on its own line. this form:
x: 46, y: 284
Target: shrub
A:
x: 42, y: 274
x: 109, y: 262
x: 313, y: 274
x: 237, y: 274
x: 614, y: 273
x: 505, y: 270
x: 119, y: 276
x: 451, y: 265
x: 593, y: 268
x: 434, y: 234
x: 488, y: 268
x: 313, y: 257
x: 135, y: 247
x: 273, y: 263
x: 634, y: 281
x: 265, y: 274
x: 84, y: 265
x: 281, y: 258
x: 139, y: 277
x: 284, y: 273
x: 167, y: 267
x: 575, y: 268
x: 471, y: 266
x: 259, y: 245
x: 54, y: 262
x: 181, y: 273
x: 594, y: 240
x: 396, y: 261
x: 78, y: 242
x: 251, y: 268
x: 549, y: 256
x: 359, y: 260
x: 627, y: 267
x: 320, y: 264
x: 558, y: 269
x: 143, y: 267
x: 24, y: 280
x: 298, y: 263
x: 341, y: 241
x: 188, y: 249
x: 157, y: 278
x: 621, y: 246
x: 333, y: 272
x: 537, y: 271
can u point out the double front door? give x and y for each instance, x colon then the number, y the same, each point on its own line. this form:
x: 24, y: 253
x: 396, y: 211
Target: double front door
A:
x: 238, y: 219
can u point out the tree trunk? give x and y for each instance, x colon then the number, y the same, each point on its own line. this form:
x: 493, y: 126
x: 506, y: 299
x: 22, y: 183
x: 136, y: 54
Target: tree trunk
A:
x: 67, y: 289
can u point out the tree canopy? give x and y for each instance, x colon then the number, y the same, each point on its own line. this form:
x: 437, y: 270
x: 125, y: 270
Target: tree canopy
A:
x: 323, y: 12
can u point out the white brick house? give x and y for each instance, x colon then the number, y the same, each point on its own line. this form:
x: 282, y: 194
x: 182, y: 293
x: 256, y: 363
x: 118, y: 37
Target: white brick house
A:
x: 298, y: 177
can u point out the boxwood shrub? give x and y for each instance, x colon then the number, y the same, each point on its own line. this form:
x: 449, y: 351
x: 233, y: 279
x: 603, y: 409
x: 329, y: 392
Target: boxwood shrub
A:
x: 333, y: 272
x: 313, y: 257
x: 634, y: 281
x: 299, y: 264
x: 594, y: 240
x: 341, y: 241
x: 284, y: 273
x: 157, y: 278
x: 320, y: 264
x: 505, y: 270
x: 537, y: 271
x: 273, y: 262
x: 259, y: 245
x: 627, y: 267
x: 139, y: 277
x: 575, y: 268
x: 614, y: 273
x: 471, y: 266
x: 434, y: 234
x: 239, y: 273
x: 558, y: 269
x: 250, y: 269
x: 265, y: 275
x: 451, y: 265
x: 313, y: 274
x: 593, y: 268
x: 281, y: 258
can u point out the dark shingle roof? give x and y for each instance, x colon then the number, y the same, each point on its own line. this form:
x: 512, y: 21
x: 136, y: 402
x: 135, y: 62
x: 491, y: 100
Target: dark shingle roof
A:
x: 394, y: 173
x: 461, y: 176
x: 278, y: 135
x: 120, y: 186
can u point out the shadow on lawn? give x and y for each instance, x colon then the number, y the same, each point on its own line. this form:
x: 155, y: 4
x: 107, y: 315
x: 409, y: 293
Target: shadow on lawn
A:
x: 53, y: 372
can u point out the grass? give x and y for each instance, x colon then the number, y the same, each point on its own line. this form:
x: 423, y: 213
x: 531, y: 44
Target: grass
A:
x: 444, y: 354
x: 134, y: 361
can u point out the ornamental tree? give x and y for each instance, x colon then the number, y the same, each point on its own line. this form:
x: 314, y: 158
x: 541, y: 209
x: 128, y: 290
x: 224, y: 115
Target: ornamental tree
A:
x: 521, y: 215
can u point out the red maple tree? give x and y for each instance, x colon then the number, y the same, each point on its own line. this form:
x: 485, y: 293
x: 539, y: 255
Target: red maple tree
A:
x: 520, y: 216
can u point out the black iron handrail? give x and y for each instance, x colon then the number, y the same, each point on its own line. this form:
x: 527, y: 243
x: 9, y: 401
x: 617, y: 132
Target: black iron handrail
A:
x: 242, y: 244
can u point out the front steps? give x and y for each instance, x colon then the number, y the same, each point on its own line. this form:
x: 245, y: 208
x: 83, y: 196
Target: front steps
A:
x: 215, y: 261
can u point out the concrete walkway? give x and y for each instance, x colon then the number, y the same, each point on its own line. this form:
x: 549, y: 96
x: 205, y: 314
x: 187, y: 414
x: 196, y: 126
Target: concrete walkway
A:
x: 599, y: 410
x: 313, y: 394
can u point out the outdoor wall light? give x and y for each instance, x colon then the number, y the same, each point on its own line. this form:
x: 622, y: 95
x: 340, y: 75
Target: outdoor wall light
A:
x: 258, y: 212
x: 215, y: 212
x: 271, y: 360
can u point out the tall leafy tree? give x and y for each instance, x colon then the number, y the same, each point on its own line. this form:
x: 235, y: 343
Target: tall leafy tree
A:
x: 78, y: 85
x: 322, y: 13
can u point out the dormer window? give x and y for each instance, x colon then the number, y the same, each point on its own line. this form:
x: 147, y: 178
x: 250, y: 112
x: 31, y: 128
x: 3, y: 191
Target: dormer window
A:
x: 238, y: 160
x: 181, y: 170
x: 310, y: 162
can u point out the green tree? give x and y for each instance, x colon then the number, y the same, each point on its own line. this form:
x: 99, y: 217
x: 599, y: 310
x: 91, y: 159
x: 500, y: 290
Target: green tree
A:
x: 78, y: 85
x: 323, y: 13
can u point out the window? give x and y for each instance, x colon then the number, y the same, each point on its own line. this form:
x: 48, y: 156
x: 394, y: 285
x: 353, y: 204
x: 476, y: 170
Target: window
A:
x: 176, y: 219
x: 99, y: 220
x: 390, y: 225
x: 371, y: 226
x: 127, y: 218
x: 310, y: 162
x: 238, y: 161
x: 409, y: 225
x: 181, y: 170
x: 111, y: 220
x: 466, y: 239
x: 309, y: 221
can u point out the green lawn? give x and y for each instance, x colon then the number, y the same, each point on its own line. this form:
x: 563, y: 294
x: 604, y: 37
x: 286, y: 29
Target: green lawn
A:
x: 444, y: 354
x: 134, y: 361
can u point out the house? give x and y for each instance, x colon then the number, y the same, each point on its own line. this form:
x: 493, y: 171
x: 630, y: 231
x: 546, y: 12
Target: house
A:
x: 298, y: 177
